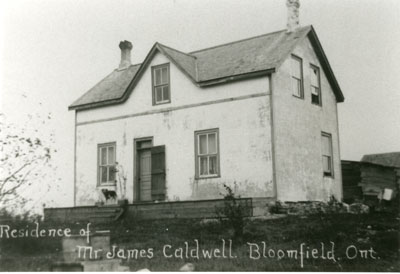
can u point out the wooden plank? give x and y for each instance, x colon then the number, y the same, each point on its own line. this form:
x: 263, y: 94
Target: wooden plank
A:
x: 181, y: 209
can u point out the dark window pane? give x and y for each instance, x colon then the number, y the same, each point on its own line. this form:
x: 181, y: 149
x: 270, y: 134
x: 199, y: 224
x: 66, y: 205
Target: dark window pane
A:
x: 315, y: 99
x: 203, y: 144
x: 103, y: 174
x: 103, y: 156
x: 314, y: 95
x: 213, y: 165
x: 111, y: 156
x: 203, y: 166
x: 157, y: 76
x: 212, y: 143
x: 165, y: 93
x: 111, y: 173
x: 164, y: 73
x: 158, y: 94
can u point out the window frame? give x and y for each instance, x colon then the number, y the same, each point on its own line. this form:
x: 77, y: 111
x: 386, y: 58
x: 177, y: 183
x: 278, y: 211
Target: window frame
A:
x: 99, y: 165
x: 327, y: 135
x: 295, y: 57
x: 312, y: 66
x: 154, y: 86
x: 197, y: 155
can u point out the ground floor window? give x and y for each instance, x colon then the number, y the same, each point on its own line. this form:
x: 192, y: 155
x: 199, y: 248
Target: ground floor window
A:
x: 106, y: 166
x: 327, y: 157
x: 207, y: 153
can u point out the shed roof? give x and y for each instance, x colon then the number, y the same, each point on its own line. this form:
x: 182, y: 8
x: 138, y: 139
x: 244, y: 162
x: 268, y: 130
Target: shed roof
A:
x: 254, y: 56
x: 391, y: 159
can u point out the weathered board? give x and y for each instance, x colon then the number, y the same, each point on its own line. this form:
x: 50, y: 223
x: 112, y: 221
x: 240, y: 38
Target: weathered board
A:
x: 161, y: 210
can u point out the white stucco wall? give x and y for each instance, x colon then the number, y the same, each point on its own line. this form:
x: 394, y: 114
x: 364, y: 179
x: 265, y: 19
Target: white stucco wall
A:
x: 297, y: 129
x: 244, y: 133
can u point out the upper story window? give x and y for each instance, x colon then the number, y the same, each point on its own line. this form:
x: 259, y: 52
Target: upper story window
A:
x: 107, y: 163
x: 207, y: 153
x: 161, y: 84
x: 297, y: 76
x: 315, y: 85
x: 327, y: 156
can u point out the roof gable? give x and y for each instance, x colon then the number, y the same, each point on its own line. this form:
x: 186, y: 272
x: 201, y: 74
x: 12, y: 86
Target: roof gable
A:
x: 250, y: 57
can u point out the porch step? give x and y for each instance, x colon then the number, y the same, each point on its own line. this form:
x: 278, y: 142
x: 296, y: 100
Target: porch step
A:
x: 105, y: 214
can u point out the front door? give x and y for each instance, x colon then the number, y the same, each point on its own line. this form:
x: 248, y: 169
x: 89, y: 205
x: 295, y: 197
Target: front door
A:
x: 150, y: 167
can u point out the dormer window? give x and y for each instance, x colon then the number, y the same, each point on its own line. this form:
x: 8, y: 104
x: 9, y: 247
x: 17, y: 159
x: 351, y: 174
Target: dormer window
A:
x: 161, y: 84
x: 315, y: 85
x: 297, y: 76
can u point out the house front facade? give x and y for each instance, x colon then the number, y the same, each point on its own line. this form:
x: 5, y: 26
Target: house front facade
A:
x: 258, y: 115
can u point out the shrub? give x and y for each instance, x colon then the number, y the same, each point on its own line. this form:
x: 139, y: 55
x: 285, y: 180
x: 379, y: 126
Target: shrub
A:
x: 233, y: 211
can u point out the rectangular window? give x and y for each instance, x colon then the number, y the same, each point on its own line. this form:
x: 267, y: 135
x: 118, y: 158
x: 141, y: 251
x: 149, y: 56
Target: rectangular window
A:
x: 297, y: 76
x: 161, y: 84
x: 207, y: 153
x: 327, y: 157
x: 315, y: 85
x: 106, y: 169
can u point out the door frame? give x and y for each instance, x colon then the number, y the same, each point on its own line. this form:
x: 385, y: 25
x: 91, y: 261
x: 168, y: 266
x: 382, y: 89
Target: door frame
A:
x: 136, y: 186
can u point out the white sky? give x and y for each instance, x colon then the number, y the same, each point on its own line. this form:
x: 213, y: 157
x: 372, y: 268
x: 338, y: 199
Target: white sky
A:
x: 54, y: 51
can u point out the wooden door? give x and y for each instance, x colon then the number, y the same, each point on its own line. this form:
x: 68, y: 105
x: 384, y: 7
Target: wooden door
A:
x: 145, y: 174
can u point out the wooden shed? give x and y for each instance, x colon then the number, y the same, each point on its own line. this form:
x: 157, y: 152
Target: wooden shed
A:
x: 380, y: 175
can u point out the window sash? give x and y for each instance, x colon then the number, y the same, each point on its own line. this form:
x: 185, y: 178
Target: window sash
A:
x: 297, y: 76
x: 107, y: 164
x: 315, y: 85
x: 327, y: 155
x: 208, y: 165
x: 161, y: 90
x: 207, y: 157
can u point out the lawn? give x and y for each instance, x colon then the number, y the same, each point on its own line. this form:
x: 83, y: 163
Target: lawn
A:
x: 322, y: 242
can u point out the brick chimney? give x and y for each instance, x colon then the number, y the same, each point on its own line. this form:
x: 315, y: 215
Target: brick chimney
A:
x: 126, y: 48
x: 293, y: 21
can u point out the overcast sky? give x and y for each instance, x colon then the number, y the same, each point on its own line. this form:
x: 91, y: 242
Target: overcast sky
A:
x: 54, y: 51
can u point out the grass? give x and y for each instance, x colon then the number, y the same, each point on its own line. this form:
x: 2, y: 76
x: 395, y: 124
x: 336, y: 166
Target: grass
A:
x: 377, y: 231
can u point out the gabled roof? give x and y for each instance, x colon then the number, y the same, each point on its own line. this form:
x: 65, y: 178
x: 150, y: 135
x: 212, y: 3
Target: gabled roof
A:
x: 250, y: 57
x: 391, y: 159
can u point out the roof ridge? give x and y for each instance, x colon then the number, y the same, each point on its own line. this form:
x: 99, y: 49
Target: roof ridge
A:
x: 242, y: 40
x: 132, y: 65
x: 177, y: 50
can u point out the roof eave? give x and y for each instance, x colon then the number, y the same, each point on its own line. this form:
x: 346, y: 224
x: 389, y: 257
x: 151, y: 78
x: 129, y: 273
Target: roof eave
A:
x: 95, y: 104
x: 237, y: 77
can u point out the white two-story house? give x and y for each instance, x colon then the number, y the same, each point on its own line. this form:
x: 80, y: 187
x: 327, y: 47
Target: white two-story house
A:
x: 259, y: 115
